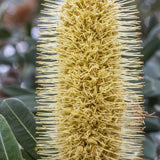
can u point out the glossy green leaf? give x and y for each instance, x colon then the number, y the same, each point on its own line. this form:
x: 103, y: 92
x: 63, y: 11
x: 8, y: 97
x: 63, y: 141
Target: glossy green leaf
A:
x: 29, y: 101
x: 9, y: 149
x: 22, y: 123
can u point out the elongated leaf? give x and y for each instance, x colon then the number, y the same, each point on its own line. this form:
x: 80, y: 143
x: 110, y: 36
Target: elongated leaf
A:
x: 22, y: 122
x: 29, y: 101
x: 9, y: 149
x: 26, y: 156
x: 153, y: 22
x: 150, y: 48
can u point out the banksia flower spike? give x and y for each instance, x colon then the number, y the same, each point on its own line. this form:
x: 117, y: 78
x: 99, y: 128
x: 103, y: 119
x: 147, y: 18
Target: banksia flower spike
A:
x: 89, y: 96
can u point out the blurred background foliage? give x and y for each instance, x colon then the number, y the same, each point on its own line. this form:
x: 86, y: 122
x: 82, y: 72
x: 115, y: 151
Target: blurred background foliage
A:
x: 150, y: 28
x: 18, y: 38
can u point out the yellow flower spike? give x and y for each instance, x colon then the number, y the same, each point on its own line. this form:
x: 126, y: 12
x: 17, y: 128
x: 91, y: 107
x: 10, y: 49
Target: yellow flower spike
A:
x: 89, y: 96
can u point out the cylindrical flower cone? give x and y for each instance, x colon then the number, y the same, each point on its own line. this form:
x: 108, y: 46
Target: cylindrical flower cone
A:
x: 89, y: 96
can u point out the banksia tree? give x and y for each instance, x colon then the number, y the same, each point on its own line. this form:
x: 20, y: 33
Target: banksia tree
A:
x: 89, y: 95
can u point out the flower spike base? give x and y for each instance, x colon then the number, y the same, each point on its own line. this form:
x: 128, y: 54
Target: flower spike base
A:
x: 89, y: 84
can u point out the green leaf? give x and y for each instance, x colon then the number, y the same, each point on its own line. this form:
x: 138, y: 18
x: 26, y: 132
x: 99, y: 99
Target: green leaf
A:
x: 153, y: 22
x: 154, y: 32
x: 152, y: 44
x: 9, y: 149
x: 15, y: 90
x: 26, y: 156
x: 29, y: 101
x: 150, y: 48
x: 22, y: 123
x: 149, y: 150
x: 152, y: 124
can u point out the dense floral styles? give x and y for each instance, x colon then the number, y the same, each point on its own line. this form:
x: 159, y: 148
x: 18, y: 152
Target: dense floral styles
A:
x: 89, y: 101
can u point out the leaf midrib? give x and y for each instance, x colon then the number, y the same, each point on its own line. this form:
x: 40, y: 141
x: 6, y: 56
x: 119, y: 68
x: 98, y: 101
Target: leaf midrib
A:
x: 3, y: 145
x: 20, y: 121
